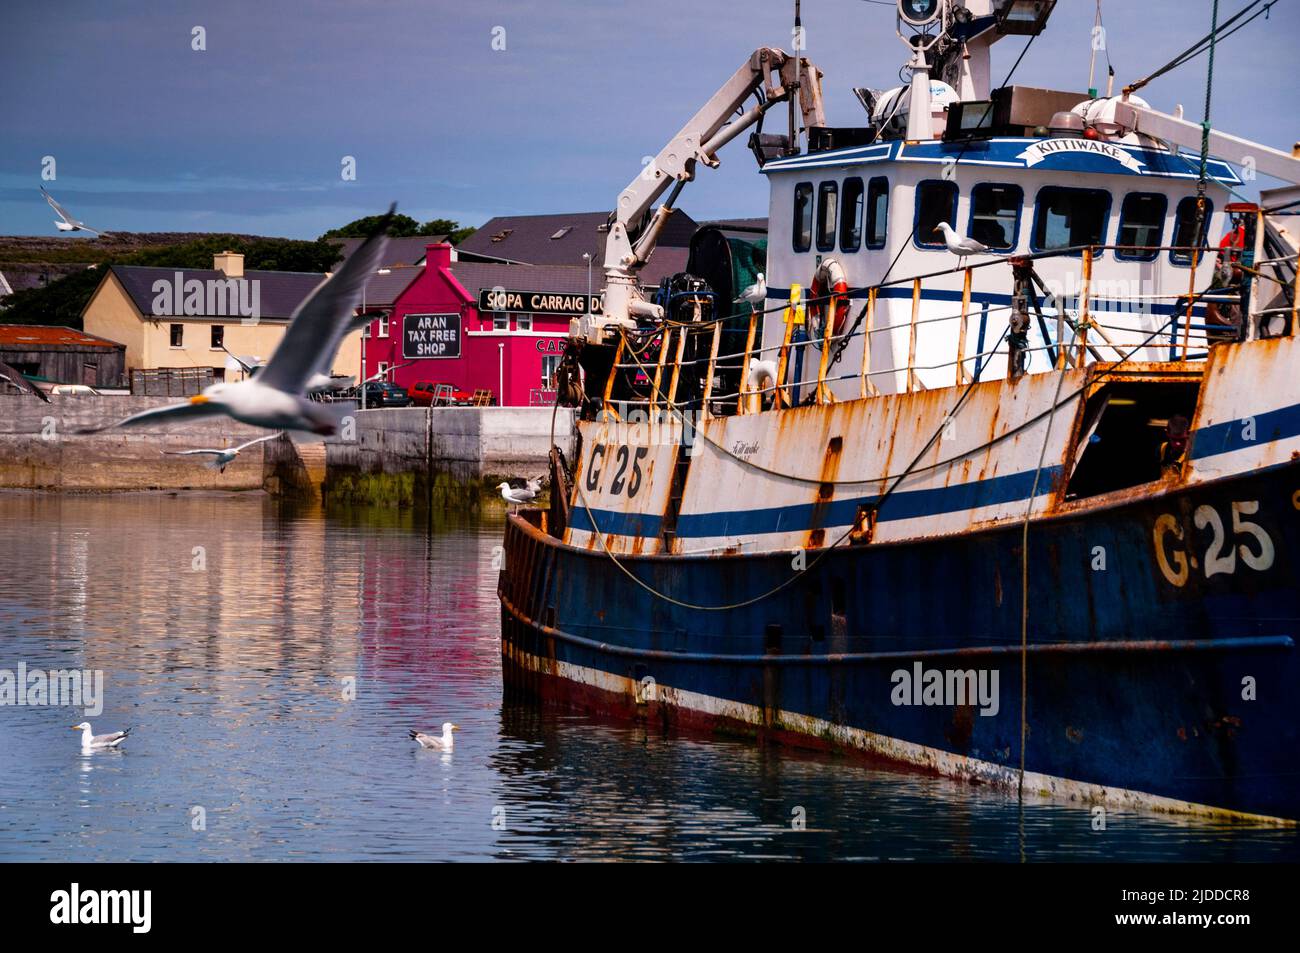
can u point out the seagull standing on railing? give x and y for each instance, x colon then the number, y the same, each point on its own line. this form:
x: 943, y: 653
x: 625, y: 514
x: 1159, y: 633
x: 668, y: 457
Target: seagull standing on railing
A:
x: 517, y: 495
x: 756, y: 294
x: 961, y: 247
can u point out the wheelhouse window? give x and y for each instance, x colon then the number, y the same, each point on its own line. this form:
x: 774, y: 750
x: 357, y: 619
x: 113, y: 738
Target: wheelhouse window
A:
x: 1185, y: 228
x: 995, y: 215
x: 1141, y: 223
x: 803, y: 213
x: 827, y: 214
x: 1070, y: 218
x: 936, y: 202
x: 851, y: 215
x: 877, y: 211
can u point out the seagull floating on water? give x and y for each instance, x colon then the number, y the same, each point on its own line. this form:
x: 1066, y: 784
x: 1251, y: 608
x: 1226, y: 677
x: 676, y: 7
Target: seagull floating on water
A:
x: 433, y: 742
x: 756, y: 294
x: 93, y: 742
x: 68, y: 223
x: 221, y: 458
x: 518, y: 495
x: 961, y: 247
x: 16, y: 378
x: 276, y: 398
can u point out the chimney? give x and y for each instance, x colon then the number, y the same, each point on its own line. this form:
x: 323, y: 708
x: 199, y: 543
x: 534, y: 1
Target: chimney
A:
x: 229, y: 263
x: 437, y: 255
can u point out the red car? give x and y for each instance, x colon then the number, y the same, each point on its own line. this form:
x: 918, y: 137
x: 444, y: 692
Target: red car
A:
x: 428, y: 393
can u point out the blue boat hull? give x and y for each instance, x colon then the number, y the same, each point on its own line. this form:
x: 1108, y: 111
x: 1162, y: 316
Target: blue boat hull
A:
x: 1155, y: 676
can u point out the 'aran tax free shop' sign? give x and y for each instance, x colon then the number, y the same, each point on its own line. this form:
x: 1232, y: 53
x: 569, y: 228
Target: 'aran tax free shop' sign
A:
x: 536, y: 302
x: 431, y: 335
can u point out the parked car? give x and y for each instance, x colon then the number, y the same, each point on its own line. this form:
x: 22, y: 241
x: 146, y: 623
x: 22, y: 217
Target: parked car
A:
x: 384, y: 394
x: 74, y: 390
x: 428, y: 393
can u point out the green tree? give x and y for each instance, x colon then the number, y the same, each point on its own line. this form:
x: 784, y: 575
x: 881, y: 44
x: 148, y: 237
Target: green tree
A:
x: 402, y: 226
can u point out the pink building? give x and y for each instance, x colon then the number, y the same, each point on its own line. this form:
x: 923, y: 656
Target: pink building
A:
x: 479, y: 325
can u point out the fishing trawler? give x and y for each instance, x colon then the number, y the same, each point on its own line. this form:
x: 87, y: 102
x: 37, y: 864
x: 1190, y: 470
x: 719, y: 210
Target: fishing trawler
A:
x: 981, y: 459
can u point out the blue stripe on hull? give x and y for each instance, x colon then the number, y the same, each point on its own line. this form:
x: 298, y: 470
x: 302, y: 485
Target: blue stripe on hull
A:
x: 1167, y: 722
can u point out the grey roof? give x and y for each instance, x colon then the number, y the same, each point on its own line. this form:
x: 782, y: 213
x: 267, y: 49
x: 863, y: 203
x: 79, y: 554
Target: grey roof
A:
x: 398, y: 251
x: 382, y: 290
x: 559, y: 239
x: 280, y: 292
x: 563, y: 279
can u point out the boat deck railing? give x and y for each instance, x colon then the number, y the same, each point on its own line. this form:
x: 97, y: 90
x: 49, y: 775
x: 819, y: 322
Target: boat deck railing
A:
x: 1187, y: 339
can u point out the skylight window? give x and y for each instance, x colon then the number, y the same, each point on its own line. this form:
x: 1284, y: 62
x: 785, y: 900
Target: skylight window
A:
x: 562, y: 232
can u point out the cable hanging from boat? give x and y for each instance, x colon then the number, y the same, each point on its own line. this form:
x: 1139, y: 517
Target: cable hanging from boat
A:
x: 822, y: 553
x: 1204, y: 43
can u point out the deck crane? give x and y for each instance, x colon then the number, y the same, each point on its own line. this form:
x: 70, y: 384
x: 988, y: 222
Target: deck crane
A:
x: 772, y: 76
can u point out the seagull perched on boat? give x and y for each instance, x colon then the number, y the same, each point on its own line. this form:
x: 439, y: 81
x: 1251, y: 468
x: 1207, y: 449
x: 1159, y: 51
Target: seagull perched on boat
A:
x: 16, y: 378
x: 518, y: 495
x: 276, y: 397
x: 94, y: 742
x: 68, y: 223
x: 756, y: 294
x: 221, y: 458
x: 433, y: 742
x: 961, y: 247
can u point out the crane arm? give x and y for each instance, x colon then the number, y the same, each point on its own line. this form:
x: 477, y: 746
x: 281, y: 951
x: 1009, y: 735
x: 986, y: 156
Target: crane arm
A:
x: 779, y: 77
x: 1181, y: 132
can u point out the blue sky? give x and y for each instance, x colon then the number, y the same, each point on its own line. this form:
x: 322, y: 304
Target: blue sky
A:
x: 249, y: 135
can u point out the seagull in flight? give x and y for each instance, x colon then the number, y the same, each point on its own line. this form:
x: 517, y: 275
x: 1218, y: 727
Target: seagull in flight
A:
x: 519, y: 495
x: 433, y: 742
x: 756, y: 294
x: 221, y: 458
x: 961, y: 247
x: 93, y: 742
x: 68, y: 223
x: 276, y: 398
x: 16, y: 378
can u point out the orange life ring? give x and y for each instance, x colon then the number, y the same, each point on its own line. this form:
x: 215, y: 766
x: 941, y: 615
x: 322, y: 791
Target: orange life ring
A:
x: 830, y: 288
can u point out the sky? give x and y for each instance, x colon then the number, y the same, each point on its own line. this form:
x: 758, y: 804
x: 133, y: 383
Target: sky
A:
x: 250, y: 134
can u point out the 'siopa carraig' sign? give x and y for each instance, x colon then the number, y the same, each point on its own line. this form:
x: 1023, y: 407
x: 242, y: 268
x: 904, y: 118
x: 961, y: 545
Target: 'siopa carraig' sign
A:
x: 431, y: 335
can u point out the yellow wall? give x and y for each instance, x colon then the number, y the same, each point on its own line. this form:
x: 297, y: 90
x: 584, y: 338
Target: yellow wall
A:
x: 113, y: 315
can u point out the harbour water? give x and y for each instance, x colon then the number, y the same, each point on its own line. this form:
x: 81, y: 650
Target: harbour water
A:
x: 273, y: 658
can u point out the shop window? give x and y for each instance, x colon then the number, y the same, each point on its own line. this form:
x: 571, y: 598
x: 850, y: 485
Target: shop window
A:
x: 995, y: 215
x: 1185, y: 227
x: 178, y: 335
x: 1070, y: 218
x: 803, y: 196
x: 500, y: 321
x: 523, y: 322
x: 851, y: 215
x: 550, y: 364
x: 935, y: 202
x: 1141, y: 223
x: 877, y: 211
x: 828, y: 196
x: 218, y: 337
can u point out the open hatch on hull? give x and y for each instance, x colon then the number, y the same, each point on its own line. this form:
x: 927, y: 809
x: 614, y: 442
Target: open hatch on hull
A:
x: 1132, y: 431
